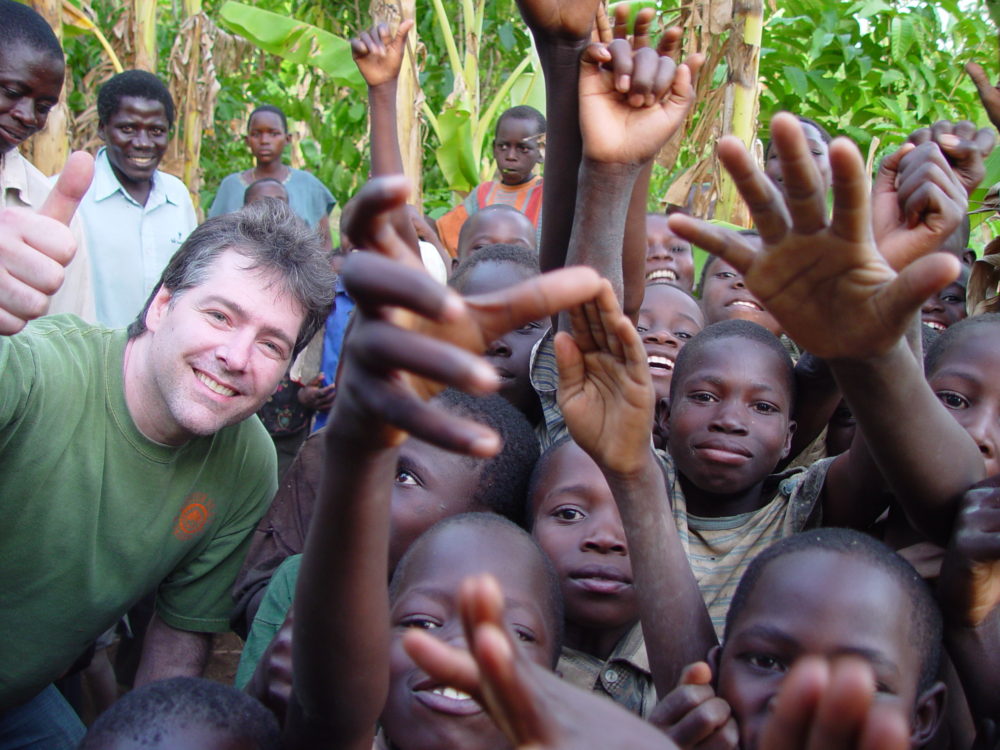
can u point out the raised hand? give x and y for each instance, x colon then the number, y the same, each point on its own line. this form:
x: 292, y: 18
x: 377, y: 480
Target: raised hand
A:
x: 604, y: 384
x: 35, y: 248
x: 832, y: 706
x: 568, y: 20
x: 969, y: 586
x: 917, y: 203
x: 693, y: 716
x: 963, y: 145
x: 378, y: 54
x: 413, y: 336
x: 317, y: 396
x: 822, y: 278
x: 988, y: 93
x: 631, y: 101
x: 534, y: 708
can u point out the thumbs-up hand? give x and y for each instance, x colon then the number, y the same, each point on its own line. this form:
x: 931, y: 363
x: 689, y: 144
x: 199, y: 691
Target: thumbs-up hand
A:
x: 36, y: 247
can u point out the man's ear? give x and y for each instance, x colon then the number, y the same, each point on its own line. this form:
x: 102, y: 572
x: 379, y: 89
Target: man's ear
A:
x: 788, y: 438
x: 928, y: 713
x: 101, y: 133
x: 158, y: 308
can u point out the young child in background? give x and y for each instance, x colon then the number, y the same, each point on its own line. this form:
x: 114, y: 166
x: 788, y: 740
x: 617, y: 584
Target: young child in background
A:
x: 724, y: 294
x: 266, y: 187
x: 184, y: 713
x: 494, y: 225
x: 668, y: 257
x: 818, y: 141
x: 518, y: 146
x: 947, y: 307
x: 267, y: 138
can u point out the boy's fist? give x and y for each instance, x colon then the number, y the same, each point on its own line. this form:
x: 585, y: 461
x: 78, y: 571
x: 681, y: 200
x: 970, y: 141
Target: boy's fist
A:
x: 693, y: 716
x: 969, y: 585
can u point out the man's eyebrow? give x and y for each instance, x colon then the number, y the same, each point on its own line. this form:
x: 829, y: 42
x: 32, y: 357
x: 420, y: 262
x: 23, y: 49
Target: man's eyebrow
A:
x: 241, y: 312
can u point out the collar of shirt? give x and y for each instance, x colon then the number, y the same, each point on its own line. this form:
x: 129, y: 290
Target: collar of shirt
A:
x: 14, y: 177
x: 106, y: 184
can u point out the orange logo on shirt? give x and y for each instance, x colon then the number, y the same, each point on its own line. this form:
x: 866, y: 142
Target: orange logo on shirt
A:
x: 197, y: 512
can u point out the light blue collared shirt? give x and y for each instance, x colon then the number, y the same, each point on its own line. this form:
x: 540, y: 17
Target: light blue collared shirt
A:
x: 131, y: 244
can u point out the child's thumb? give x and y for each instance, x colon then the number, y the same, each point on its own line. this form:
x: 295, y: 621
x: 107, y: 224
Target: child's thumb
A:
x: 698, y: 673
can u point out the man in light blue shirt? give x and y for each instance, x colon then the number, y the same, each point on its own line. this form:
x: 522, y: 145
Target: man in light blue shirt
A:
x: 136, y: 217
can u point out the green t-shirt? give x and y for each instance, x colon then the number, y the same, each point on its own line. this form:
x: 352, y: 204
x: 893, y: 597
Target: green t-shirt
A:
x: 96, y: 515
x: 269, y: 618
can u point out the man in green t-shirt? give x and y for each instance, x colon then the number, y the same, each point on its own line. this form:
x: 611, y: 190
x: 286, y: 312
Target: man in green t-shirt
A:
x: 128, y: 463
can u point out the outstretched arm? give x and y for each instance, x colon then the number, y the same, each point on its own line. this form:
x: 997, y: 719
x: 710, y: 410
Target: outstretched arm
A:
x: 837, y: 297
x: 605, y: 389
x: 988, y: 93
x: 411, y: 337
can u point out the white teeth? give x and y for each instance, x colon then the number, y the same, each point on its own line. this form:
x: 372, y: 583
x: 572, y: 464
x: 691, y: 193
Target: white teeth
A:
x: 663, y: 273
x: 450, y: 692
x: 660, y: 362
x: 214, y: 385
x: 935, y: 325
x: 142, y: 160
x: 744, y: 303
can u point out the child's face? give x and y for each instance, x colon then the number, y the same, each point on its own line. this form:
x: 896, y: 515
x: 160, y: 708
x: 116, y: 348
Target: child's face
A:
x: 266, y: 190
x: 431, y: 484
x: 729, y: 419
x: 945, y: 308
x: 668, y: 257
x: 817, y: 147
x: 511, y: 353
x: 420, y: 713
x: 965, y: 379
x: 817, y: 603
x: 668, y: 319
x: 190, y: 737
x: 497, y: 228
x: 725, y: 296
x: 266, y: 137
x: 515, y: 147
x: 30, y: 83
x: 576, y: 522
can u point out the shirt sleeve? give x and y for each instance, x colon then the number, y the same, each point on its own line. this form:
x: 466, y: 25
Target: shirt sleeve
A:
x: 227, y: 200
x: 266, y: 624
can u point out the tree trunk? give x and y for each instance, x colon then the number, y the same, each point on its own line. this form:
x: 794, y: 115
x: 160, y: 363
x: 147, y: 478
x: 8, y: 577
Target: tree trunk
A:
x: 742, y: 99
x: 144, y: 34
x: 48, y: 149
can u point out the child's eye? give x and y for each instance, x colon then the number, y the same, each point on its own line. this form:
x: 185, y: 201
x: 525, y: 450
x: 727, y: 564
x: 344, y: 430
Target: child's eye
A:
x: 682, y: 335
x: 524, y: 634
x: 419, y: 621
x: 406, y: 478
x: 953, y: 299
x: 702, y: 397
x: 953, y: 400
x: 765, y: 408
x: 567, y: 513
x: 725, y: 275
x: 530, y: 327
x: 765, y: 662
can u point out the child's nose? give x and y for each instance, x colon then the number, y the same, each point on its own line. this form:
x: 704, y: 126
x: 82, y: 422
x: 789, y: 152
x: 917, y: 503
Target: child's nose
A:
x: 660, y: 337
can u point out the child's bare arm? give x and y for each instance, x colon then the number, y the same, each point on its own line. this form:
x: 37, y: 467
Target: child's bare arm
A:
x: 826, y: 283
x: 988, y: 93
x: 631, y: 102
x: 605, y: 389
x: 969, y: 592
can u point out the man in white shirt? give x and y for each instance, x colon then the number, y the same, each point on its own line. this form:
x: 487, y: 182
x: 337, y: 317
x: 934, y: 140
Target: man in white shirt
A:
x: 136, y: 217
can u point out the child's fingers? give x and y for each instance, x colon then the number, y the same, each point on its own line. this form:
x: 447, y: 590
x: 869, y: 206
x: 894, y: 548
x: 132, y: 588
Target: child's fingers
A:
x: 765, y: 202
x: 645, y: 63
x: 804, y: 191
x: 643, y: 22
x: 539, y: 297
x: 569, y: 360
x: 70, y: 188
x: 788, y: 725
x: 602, y: 27
x: 374, y: 282
x: 609, y: 315
x: 885, y: 729
x: 916, y: 282
x: 698, y: 673
x: 633, y: 351
x: 700, y: 723
x: 358, y: 48
x: 386, y: 347
x: 666, y: 70
x: 851, y: 217
x: 621, y: 65
x: 888, y: 169
x: 480, y: 601
x: 725, y: 243
x: 402, y: 31
x: 670, y: 43
x: 844, y: 707
x: 678, y: 703
x: 442, y: 661
x: 621, y: 13
x: 579, y: 328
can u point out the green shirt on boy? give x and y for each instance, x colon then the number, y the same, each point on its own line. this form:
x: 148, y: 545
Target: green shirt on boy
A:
x: 96, y: 515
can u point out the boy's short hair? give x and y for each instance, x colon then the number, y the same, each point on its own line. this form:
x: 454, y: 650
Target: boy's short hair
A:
x: 516, y: 254
x: 273, y: 239
x: 152, y: 711
x: 484, y: 211
x: 553, y: 608
x: 20, y: 23
x: 538, y: 474
x: 503, y: 479
x: 273, y: 110
x: 262, y: 181
x: 947, y: 337
x: 523, y: 112
x: 925, y: 622
x: 137, y: 83
x: 735, y: 328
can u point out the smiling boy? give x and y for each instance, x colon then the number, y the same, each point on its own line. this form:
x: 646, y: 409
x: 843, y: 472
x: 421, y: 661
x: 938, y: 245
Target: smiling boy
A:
x: 122, y: 449
x: 136, y: 216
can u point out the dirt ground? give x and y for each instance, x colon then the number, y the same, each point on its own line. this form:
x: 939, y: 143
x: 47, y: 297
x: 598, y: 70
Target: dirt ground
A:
x: 225, y: 658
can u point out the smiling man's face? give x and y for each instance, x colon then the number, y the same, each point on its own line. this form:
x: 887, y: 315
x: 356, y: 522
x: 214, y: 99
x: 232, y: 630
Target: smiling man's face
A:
x: 136, y: 136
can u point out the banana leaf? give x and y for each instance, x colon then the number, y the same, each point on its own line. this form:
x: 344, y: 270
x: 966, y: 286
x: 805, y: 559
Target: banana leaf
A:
x: 295, y: 41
